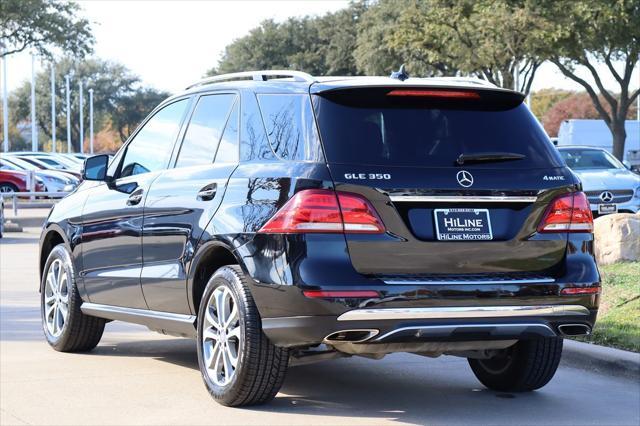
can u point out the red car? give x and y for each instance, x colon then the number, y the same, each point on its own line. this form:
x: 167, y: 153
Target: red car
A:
x: 16, y: 181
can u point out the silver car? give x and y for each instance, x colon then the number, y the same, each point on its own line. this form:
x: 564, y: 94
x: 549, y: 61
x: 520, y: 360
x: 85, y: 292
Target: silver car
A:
x: 54, y: 181
x: 609, y: 185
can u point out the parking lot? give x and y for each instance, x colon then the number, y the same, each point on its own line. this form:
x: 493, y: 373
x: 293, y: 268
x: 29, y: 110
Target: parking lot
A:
x: 139, y: 377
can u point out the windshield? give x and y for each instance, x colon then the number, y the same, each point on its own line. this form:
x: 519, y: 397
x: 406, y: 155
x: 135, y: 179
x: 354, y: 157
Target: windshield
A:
x: 411, y: 132
x: 580, y: 159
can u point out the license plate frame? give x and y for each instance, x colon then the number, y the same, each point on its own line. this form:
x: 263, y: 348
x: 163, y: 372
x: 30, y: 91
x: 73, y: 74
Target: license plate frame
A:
x: 607, y: 208
x: 466, y: 232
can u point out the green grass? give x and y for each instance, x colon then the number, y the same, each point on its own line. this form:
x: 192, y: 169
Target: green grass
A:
x: 618, y: 323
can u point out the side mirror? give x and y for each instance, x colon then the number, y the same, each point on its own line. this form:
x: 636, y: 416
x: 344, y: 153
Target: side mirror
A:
x: 95, y: 168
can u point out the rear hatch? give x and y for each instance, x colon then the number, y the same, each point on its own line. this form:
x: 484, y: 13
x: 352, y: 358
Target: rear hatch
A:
x: 460, y: 178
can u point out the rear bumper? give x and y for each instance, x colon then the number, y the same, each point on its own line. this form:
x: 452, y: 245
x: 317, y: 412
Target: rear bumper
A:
x: 452, y: 324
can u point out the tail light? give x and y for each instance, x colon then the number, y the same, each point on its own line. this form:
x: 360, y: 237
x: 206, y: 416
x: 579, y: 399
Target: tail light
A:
x: 568, y: 213
x: 323, y: 210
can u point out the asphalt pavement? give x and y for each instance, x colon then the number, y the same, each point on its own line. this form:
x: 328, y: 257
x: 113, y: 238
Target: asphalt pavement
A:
x: 139, y: 377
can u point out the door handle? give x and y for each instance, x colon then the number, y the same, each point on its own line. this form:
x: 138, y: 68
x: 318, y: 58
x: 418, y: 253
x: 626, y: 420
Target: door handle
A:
x: 208, y: 192
x: 135, y: 197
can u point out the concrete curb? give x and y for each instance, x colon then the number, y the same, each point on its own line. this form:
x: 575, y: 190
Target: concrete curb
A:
x: 609, y: 361
x: 10, y: 226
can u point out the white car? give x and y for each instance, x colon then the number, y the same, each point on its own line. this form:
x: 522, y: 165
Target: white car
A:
x: 54, y: 181
x: 609, y: 185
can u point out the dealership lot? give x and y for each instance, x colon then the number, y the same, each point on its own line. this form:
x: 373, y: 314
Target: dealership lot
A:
x: 140, y: 377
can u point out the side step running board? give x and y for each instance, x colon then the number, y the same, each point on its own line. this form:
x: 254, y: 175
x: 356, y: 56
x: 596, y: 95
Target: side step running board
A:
x: 163, y: 322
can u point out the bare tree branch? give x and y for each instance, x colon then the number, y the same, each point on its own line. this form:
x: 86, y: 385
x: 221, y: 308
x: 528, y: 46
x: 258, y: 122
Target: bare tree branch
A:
x: 607, y: 60
x: 592, y: 94
x: 594, y: 73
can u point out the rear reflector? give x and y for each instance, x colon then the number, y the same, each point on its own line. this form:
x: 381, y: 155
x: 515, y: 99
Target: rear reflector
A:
x: 580, y: 290
x: 443, y: 94
x: 341, y: 294
x: 568, y: 213
x: 327, y: 211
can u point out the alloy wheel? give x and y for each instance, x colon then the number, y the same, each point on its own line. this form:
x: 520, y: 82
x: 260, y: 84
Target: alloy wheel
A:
x: 56, y: 298
x: 221, y: 336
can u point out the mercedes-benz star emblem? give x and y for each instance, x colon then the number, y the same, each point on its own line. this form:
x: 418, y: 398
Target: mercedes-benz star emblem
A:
x: 464, y: 178
x: 606, y: 196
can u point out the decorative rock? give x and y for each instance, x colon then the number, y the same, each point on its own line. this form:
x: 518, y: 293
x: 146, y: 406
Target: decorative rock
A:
x: 617, y: 238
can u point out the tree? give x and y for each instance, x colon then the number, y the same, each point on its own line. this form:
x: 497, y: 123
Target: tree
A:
x: 545, y: 99
x: 579, y: 34
x: 484, y: 38
x: 375, y: 54
x: 42, y: 25
x: 320, y: 46
x: 132, y: 108
x: 116, y: 98
x: 18, y: 142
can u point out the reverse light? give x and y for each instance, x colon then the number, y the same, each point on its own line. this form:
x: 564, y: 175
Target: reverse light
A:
x: 568, y: 213
x: 326, y: 211
x: 444, y: 94
x: 579, y: 290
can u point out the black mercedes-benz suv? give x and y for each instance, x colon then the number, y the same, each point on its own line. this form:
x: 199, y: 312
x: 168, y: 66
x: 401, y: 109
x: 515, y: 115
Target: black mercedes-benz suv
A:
x: 280, y: 218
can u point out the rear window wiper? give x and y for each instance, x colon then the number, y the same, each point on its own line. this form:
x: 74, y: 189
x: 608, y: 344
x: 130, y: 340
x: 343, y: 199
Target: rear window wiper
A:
x: 480, y: 157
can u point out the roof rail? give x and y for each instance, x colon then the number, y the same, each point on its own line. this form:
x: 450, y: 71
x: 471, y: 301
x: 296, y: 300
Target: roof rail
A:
x: 256, y: 76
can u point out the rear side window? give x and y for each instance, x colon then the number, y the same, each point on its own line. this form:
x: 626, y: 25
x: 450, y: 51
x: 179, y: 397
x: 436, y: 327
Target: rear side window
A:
x: 205, y: 129
x: 290, y: 127
x: 378, y: 129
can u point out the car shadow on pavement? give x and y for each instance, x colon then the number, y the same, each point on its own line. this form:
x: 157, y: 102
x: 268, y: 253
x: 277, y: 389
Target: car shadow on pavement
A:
x: 402, y: 387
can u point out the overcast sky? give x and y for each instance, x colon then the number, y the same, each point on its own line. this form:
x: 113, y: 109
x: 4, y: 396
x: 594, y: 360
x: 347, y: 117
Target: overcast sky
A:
x: 170, y: 44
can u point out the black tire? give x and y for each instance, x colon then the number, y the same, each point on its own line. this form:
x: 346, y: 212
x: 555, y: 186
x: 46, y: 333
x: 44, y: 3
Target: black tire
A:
x: 526, y: 366
x: 6, y: 187
x: 261, y: 367
x: 80, y: 332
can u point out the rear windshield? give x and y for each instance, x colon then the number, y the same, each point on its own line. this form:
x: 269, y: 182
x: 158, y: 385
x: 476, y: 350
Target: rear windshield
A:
x: 374, y: 128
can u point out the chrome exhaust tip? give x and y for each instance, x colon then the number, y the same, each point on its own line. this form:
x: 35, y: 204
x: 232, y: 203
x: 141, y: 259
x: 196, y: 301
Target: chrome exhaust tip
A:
x: 574, y: 329
x: 351, y: 336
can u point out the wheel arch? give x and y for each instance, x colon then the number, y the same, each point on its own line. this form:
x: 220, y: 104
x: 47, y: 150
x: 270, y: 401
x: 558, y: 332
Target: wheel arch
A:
x: 50, y: 238
x: 211, y: 256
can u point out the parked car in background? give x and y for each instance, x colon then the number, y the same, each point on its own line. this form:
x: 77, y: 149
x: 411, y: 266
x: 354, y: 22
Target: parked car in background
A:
x: 78, y: 156
x: 609, y: 185
x: 38, y: 165
x: 54, y: 181
x: 56, y: 160
x: 46, y: 165
x: 595, y: 133
x: 17, y: 181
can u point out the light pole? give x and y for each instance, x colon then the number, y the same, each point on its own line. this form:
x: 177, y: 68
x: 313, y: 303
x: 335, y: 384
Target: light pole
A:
x: 91, y: 121
x: 53, y: 107
x: 34, y: 132
x: 5, y: 107
x: 80, y: 101
x: 66, y: 79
